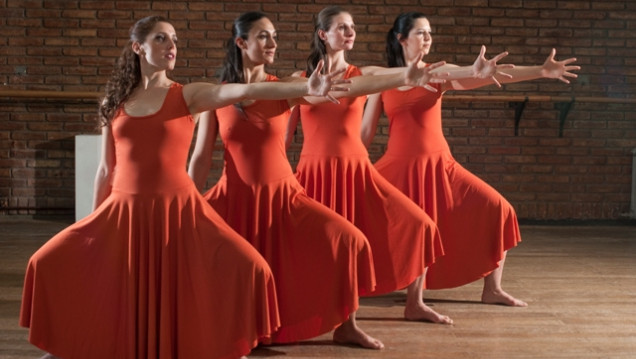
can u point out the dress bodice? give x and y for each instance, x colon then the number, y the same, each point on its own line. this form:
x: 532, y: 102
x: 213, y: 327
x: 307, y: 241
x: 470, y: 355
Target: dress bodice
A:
x: 151, y: 151
x: 334, y: 129
x: 254, y: 140
x: 415, y: 121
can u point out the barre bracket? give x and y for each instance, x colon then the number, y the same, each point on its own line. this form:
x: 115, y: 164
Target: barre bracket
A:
x: 519, y: 107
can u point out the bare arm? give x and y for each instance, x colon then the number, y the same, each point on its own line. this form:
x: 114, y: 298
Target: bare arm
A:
x: 201, y: 160
x: 488, y: 72
x: 294, y: 117
x: 372, y: 112
x: 551, y: 69
x: 412, y: 75
x: 103, y: 177
x: 206, y: 96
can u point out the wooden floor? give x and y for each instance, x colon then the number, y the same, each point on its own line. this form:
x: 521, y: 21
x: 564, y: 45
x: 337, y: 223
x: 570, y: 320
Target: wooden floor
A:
x: 579, y: 281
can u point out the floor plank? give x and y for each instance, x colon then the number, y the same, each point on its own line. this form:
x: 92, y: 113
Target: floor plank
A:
x: 579, y: 282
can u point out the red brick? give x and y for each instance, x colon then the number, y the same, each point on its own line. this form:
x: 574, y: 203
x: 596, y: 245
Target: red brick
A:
x: 477, y: 131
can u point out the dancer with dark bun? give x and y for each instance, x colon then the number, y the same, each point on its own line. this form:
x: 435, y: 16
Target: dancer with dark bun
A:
x: 321, y: 262
x: 477, y: 225
x: 334, y: 168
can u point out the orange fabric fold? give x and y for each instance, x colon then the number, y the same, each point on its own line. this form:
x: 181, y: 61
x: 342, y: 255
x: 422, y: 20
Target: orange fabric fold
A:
x: 477, y: 225
x: 321, y: 262
x: 335, y: 169
x: 154, y: 271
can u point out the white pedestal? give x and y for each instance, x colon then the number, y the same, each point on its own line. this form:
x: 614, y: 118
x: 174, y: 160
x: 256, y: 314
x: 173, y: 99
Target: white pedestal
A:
x: 87, y: 157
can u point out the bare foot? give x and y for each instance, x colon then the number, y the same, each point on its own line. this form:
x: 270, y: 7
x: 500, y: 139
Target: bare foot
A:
x: 423, y: 313
x: 501, y: 297
x: 352, y: 334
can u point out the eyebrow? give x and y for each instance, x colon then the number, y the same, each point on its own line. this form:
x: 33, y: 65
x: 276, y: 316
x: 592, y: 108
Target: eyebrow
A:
x: 166, y: 34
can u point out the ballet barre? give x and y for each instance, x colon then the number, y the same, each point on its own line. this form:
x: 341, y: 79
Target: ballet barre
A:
x: 518, y: 102
x: 562, y: 103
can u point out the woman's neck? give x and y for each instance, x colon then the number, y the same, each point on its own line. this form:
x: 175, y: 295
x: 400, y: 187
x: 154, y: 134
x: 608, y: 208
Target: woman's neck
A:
x: 410, y: 60
x: 254, y: 73
x: 154, y: 80
x: 337, y: 60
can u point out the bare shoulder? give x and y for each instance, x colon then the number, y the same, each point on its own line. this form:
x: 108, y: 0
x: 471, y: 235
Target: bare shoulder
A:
x: 193, y: 88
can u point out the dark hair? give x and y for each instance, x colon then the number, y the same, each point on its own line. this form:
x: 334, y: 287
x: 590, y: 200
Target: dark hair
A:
x: 127, y: 72
x: 318, y: 50
x: 402, y: 25
x: 232, y: 70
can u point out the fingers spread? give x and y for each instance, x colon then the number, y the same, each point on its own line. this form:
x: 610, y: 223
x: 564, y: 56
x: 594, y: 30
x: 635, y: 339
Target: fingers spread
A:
x: 430, y: 88
x: 504, y: 74
x: 339, y: 88
x: 482, y: 52
x: 496, y: 82
x: 333, y: 99
x: 500, y: 56
x: 436, y: 65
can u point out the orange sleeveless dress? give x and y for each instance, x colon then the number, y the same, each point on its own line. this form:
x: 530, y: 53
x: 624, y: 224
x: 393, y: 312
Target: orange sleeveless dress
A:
x: 476, y: 223
x: 320, y: 261
x: 154, y: 271
x: 334, y: 168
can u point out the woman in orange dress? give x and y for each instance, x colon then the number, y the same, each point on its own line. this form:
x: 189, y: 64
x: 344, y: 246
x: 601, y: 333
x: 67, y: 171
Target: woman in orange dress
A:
x: 154, y: 271
x: 321, y: 262
x: 334, y: 168
x: 477, y: 225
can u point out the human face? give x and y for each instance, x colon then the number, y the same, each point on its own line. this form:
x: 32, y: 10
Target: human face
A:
x: 341, y: 34
x: 159, y: 50
x: 419, y: 39
x: 260, y: 46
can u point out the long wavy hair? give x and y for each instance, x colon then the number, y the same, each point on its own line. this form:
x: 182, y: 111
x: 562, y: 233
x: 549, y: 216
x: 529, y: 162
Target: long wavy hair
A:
x: 232, y: 70
x: 402, y: 25
x: 127, y: 72
x: 318, y: 51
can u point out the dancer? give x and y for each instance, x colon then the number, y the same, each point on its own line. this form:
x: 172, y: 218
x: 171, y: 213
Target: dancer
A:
x: 334, y: 168
x: 154, y: 271
x: 477, y: 225
x: 320, y: 260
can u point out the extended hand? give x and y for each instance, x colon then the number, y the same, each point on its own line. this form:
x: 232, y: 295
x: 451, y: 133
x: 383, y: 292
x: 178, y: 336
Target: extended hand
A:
x: 483, y: 68
x: 422, y: 76
x: 559, y: 69
x: 321, y: 84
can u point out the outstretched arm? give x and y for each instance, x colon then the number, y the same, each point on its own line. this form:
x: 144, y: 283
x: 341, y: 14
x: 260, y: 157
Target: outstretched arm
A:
x: 202, y: 97
x: 412, y: 75
x: 487, y: 72
x: 372, y: 112
x: 201, y: 160
x: 551, y: 69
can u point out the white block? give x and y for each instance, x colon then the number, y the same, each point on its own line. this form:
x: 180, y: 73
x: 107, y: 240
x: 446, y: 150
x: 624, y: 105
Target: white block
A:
x: 87, y: 156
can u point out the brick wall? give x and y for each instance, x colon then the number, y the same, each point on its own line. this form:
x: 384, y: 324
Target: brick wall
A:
x: 583, y: 173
